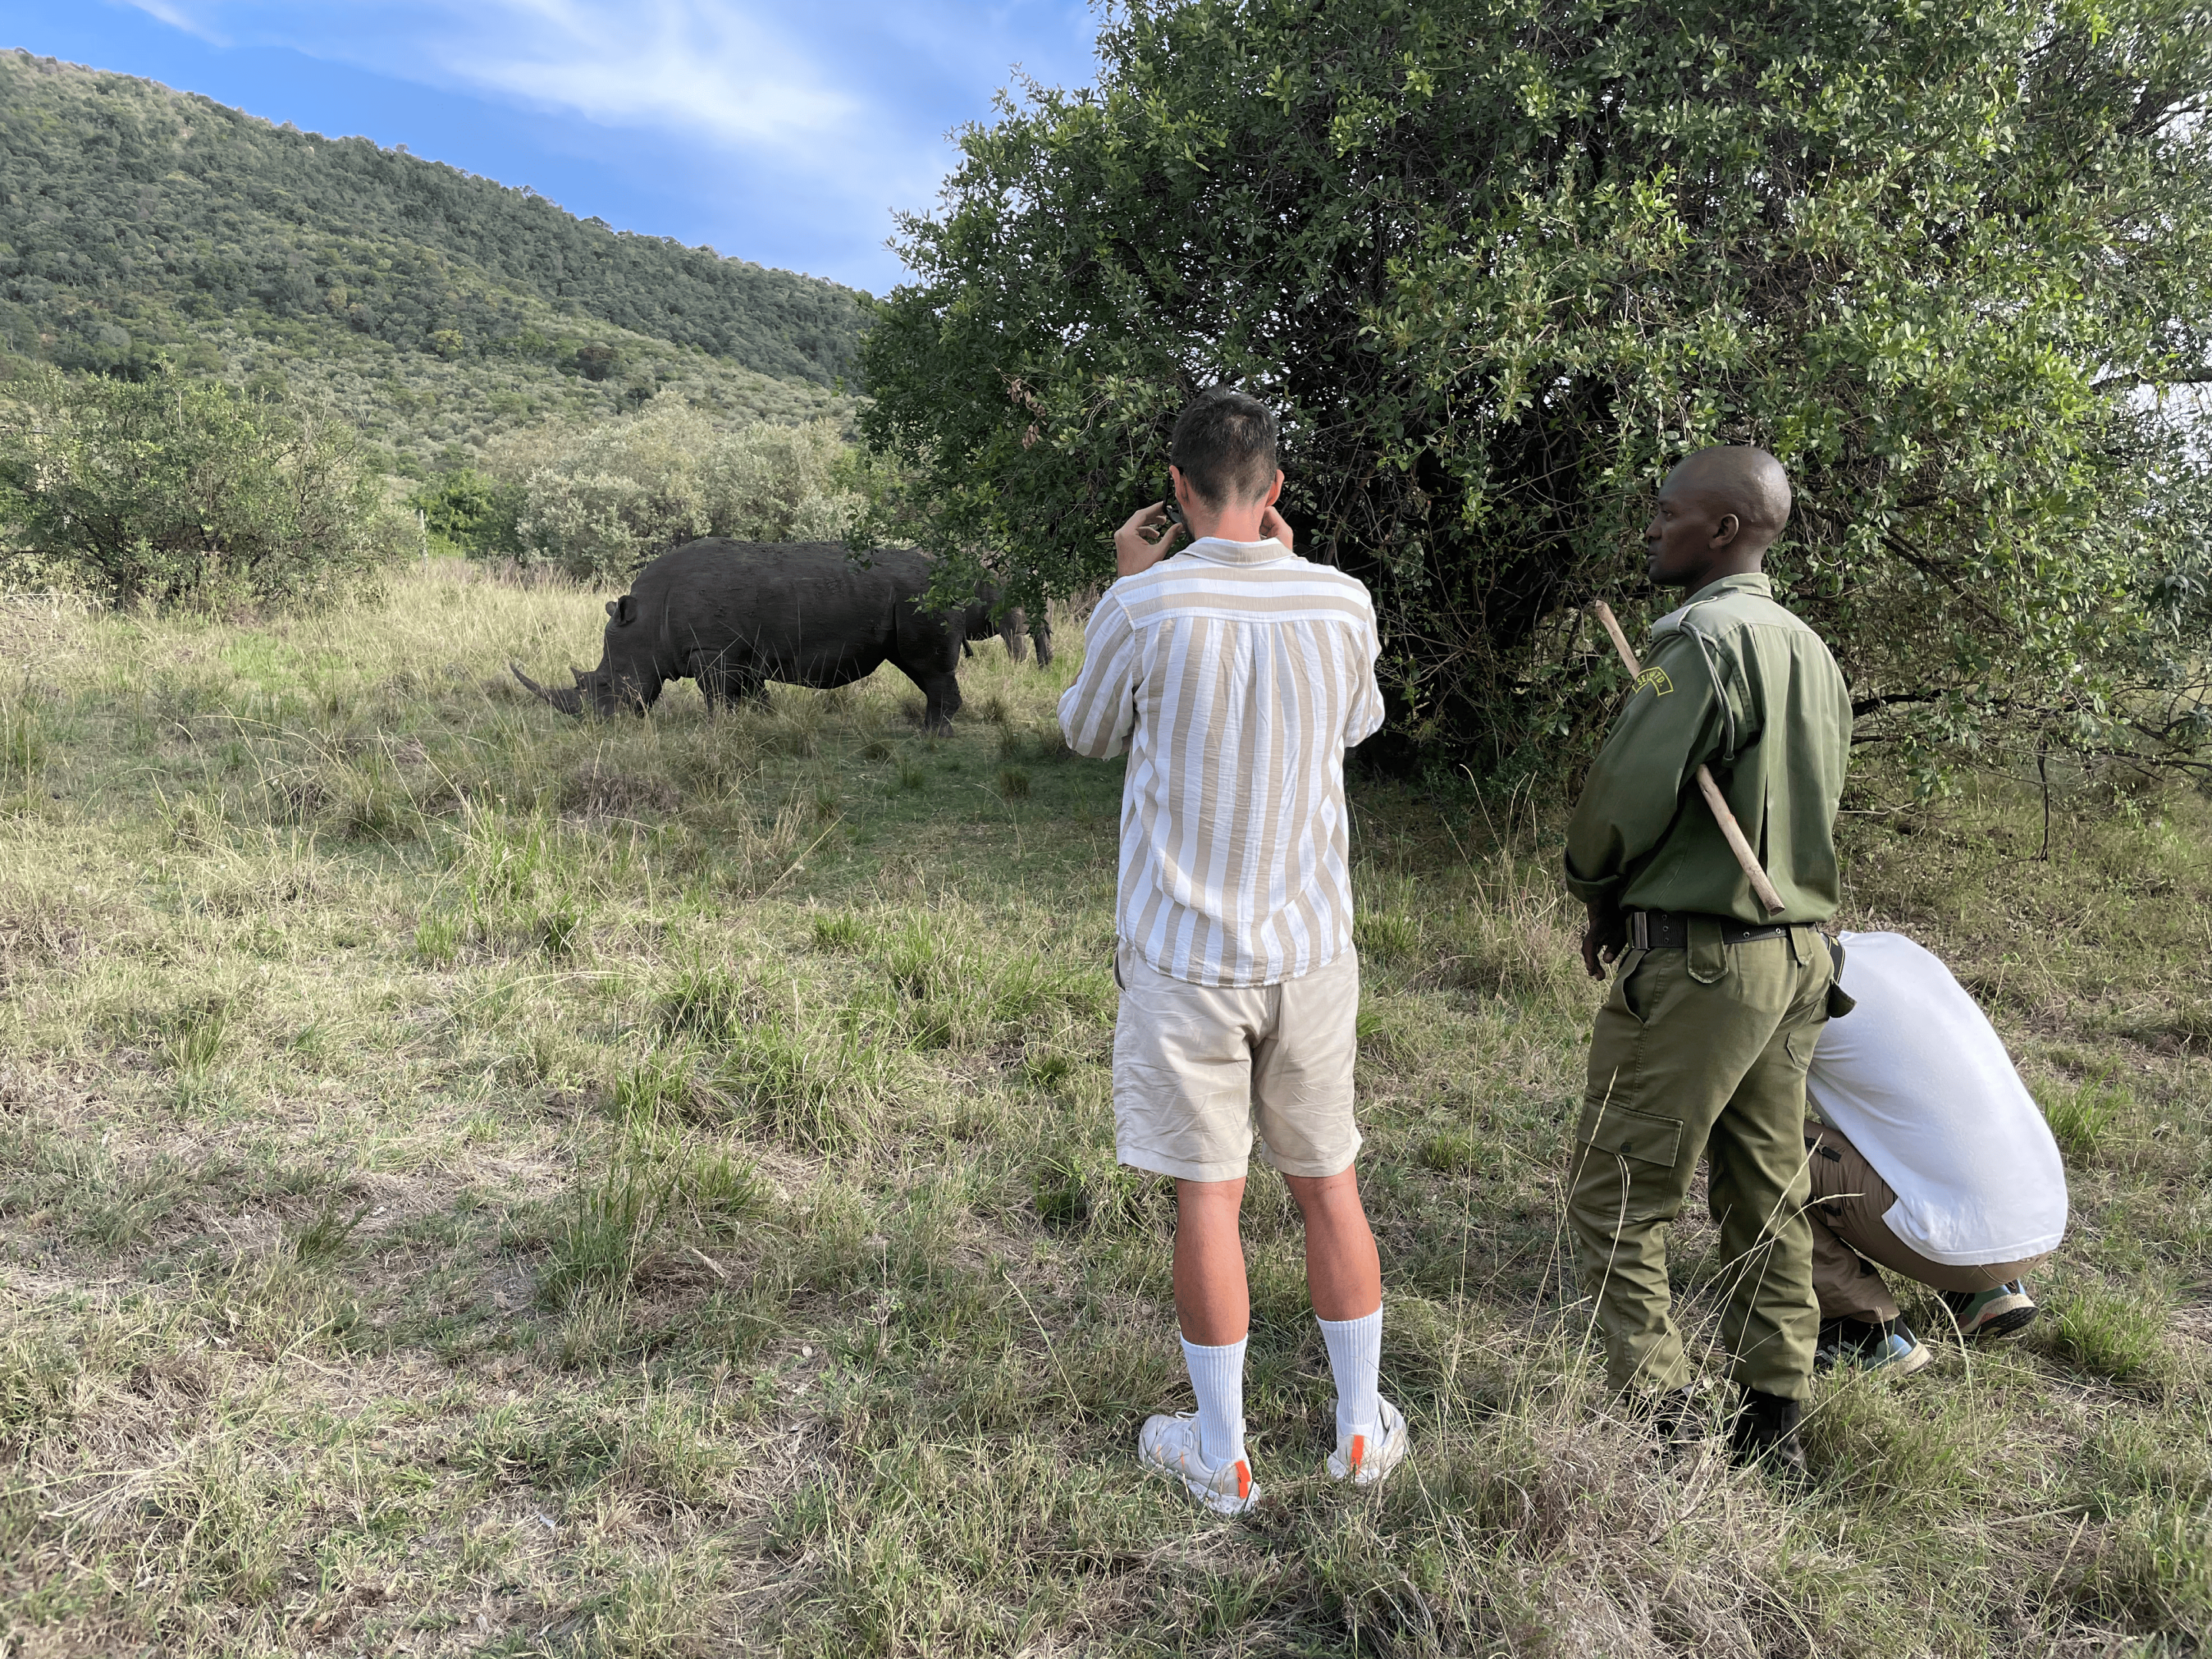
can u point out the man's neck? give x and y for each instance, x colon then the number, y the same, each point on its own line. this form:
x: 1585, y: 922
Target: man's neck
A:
x: 1720, y: 570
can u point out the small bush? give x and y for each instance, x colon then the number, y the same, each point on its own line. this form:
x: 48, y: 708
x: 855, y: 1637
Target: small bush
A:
x: 1014, y: 783
x: 177, y: 490
x: 599, y: 503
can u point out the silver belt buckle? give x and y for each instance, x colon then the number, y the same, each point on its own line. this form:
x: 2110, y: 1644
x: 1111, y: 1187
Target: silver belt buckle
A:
x: 1639, y: 930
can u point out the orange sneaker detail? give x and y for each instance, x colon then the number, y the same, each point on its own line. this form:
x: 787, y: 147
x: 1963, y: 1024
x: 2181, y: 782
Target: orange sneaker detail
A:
x: 1244, y: 1481
x: 1359, y: 1451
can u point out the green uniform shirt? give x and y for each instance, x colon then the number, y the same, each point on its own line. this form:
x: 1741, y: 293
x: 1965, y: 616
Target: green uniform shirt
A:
x: 1735, y: 681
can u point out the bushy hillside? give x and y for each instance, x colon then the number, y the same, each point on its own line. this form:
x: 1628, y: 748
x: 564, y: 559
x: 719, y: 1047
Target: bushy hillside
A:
x: 430, y: 307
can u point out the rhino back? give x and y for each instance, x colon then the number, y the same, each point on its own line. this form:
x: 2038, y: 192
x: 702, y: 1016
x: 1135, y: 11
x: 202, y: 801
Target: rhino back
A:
x: 798, y: 610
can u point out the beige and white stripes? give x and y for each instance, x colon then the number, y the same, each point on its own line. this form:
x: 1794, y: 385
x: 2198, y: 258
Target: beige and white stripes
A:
x: 1235, y: 675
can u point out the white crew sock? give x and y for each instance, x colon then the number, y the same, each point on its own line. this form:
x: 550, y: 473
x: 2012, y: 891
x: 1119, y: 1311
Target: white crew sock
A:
x: 1218, y: 1375
x: 1355, y: 1354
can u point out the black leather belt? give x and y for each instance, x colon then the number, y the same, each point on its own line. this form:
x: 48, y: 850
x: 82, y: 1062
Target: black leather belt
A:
x: 1670, y: 929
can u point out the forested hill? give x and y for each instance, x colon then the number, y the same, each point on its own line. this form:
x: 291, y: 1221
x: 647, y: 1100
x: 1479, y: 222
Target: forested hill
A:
x: 133, y: 218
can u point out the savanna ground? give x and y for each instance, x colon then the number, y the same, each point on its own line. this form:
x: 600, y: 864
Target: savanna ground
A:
x: 472, y: 1181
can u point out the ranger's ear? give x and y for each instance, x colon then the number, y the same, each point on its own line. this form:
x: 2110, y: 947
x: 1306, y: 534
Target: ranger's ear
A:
x: 623, y: 610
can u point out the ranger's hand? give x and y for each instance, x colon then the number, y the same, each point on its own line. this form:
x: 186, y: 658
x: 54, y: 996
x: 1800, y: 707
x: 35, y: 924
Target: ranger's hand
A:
x: 1273, y: 524
x: 1604, y: 938
x: 1147, y: 538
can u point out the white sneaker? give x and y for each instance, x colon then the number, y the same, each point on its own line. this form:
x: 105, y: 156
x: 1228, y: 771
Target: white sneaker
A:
x: 1365, y: 1459
x: 1169, y: 1445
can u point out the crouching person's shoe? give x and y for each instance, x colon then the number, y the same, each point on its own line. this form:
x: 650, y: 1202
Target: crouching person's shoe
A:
x: 1364, y: 1458
x: 1870, y: 1346
x: 1169, y: 1446
x: 1765, y: 1434
x: 2005, y: 1311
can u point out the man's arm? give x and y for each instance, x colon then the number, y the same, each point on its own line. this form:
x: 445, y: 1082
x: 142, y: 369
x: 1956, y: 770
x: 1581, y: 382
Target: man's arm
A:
x: 1364, y: 718
x: 1099, y: 711
x: 1670, y: 723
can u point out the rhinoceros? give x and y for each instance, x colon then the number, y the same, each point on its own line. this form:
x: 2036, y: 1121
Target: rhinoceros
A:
x: 735, y: 615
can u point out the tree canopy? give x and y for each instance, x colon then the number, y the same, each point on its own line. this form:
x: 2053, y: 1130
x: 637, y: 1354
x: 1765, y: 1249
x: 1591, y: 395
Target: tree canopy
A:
x: 1499, y: 263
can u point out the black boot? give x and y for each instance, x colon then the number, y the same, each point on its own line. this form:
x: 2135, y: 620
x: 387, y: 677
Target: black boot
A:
x: 1766, y: 1433
x: 1667, y: 1417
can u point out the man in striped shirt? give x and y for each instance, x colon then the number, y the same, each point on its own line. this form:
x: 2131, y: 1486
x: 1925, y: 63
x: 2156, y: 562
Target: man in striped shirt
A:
x: 1235, y: 675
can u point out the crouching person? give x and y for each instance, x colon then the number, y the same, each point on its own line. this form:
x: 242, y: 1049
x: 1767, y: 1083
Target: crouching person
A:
x: 1236, y: 674
x: 1933, y: 1161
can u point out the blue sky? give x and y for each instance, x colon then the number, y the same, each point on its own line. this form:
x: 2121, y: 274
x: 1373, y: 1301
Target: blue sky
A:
x: 783, y: 132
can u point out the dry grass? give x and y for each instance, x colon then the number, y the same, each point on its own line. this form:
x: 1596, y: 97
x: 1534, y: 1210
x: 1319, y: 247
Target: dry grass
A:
x: 475, y: 1183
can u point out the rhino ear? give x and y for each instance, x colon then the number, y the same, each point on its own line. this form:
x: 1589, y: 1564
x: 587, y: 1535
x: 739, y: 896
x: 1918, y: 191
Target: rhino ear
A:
x: 623, y: 610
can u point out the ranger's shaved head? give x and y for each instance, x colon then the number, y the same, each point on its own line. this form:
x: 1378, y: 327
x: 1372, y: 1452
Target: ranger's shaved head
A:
x: 1742, y: 479
x: 1718, y: 511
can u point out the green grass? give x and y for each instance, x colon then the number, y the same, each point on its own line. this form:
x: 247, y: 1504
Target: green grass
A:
x: 475, y: 1182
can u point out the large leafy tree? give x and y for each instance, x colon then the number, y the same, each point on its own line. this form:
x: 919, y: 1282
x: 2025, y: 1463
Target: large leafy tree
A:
x: 1499, y: 262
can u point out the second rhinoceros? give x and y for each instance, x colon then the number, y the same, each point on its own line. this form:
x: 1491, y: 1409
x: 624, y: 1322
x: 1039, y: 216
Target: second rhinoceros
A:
x: 736, y: 615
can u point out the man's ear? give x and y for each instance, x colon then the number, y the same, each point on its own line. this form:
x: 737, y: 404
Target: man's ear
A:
x: 1726, y: 528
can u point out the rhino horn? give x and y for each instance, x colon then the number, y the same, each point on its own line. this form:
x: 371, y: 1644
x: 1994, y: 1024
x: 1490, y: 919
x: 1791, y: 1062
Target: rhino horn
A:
x: 568, y: 702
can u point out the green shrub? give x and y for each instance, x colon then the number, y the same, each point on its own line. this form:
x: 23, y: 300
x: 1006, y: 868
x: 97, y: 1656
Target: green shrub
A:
x: 600, y: 502
x: 173, y: 490
x: 469, y: 512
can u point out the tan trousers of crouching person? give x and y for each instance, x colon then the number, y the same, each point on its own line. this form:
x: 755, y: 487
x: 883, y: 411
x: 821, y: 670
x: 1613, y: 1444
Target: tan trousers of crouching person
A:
x: 1850, y: 1236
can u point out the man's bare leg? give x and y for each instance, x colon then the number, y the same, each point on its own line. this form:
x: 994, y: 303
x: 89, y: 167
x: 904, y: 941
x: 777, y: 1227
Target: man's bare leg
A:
x: 1214, y: 1304
x: 1344, y: 1274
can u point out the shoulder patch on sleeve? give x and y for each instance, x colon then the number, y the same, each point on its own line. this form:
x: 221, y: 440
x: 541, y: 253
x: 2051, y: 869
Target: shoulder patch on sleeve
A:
x: 1655, y: 680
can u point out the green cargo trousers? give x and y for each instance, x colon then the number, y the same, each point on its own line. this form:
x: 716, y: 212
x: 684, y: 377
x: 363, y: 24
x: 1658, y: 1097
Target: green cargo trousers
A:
x: 1703, y: 1050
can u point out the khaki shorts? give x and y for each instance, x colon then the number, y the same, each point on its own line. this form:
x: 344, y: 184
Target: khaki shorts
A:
x: 1197, y: 1068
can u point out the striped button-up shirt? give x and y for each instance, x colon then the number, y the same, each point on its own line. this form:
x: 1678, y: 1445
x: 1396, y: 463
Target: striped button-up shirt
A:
x: 1236, y: 676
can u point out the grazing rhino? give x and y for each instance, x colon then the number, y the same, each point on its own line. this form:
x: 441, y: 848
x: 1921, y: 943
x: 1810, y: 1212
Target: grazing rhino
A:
x: 735, y: 615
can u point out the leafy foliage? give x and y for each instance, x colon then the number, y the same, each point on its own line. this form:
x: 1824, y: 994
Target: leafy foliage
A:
x: 171, y: 489
x: 600, y: 502
x: 470, y: 511
x: 1499, y: 264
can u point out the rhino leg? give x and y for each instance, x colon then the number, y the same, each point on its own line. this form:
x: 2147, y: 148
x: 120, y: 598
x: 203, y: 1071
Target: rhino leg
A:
x: 942, y: 692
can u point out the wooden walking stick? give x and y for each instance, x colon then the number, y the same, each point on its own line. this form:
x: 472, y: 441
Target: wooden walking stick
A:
x: 1731, y: 831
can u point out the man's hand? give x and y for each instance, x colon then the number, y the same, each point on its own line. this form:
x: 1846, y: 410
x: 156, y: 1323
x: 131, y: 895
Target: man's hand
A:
x: 1147, y: 538
x: 1274, y: 525
x: 1604, y: 938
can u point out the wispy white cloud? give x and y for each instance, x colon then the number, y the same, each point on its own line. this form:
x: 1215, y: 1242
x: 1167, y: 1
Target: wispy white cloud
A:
x: 844, y: 105
x: 713, y: 71
x: 177, y: 18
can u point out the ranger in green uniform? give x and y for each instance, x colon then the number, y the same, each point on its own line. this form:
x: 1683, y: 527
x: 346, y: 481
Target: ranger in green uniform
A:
x: 1702, y: 1046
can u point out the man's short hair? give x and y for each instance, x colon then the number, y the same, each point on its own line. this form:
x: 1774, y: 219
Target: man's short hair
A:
x: 1225, y: 444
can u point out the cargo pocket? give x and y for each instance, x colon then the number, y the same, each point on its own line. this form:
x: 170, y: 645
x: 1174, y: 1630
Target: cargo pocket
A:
x: 1627, y: 1133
